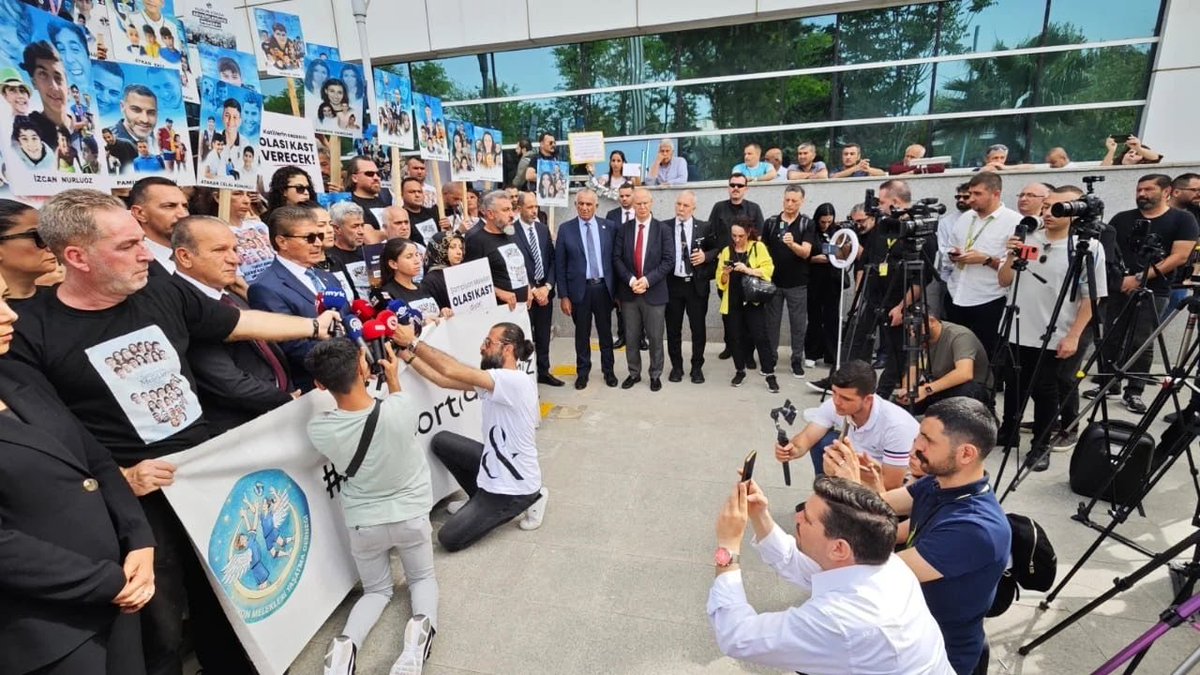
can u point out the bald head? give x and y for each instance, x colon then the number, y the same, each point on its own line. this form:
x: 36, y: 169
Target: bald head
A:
x: 396, y: 223
x: 685, y: 205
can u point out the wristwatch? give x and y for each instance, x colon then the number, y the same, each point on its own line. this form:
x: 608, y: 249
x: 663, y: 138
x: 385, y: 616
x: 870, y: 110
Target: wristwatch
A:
x: 929, y: 390
x: 989, y: 261
x: 724, y: 557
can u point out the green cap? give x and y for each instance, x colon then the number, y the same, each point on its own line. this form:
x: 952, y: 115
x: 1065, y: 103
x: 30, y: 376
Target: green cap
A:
x: 11, y: 77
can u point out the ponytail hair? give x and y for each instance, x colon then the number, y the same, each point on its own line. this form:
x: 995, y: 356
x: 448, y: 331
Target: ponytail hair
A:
x: 516, y: 337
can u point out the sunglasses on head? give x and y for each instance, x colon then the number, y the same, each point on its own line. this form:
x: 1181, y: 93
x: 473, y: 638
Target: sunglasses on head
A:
x: 32, y: 234
x: 310, y: 238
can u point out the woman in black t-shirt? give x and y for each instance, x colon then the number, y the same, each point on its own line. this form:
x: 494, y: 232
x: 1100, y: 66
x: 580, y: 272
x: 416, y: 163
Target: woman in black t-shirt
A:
x: 443, y: 252
x: 402, y: 260
x: 824, y: 286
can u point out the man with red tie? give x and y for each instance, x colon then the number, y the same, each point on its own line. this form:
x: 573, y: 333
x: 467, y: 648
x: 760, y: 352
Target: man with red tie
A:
x: 644, y: 256
x: 235, y: 381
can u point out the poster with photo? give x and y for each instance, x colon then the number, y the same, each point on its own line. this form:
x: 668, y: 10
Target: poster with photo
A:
x: 232, y: 67
x: 142, y: 135
x: 489, y: 155
x: 552, y: 183
x: 93, y: 17
x: 315, y: 51
x: 48, y: 119
x: 280, y: 43
x: 145, y: 32
x: 208, y: 22
x: 393, y: 110
x: 431, y: 130
x: 328, y: 199
x: 334, y: 93
x: 229, y: 156
x: 288, y: 141
x: 462, y: 155
x: 253, y: 248
x: 189, y: 74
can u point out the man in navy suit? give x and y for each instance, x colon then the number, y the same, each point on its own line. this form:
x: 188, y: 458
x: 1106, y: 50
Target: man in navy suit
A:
x: 583, y: 258
x: 644, y: 256
x: 533, y: 238
x: 292, y: 283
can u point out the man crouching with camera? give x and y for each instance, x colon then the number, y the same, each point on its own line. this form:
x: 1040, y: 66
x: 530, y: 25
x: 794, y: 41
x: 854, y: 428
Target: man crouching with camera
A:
x: 866, y: 613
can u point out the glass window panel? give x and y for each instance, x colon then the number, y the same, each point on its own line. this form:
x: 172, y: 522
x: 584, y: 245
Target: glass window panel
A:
x: 1101, y: 20
x: 887, y: 34
x: 885, y: 92
x: 966, y: 140
x: 1081, y: 132
x: 982, y: 25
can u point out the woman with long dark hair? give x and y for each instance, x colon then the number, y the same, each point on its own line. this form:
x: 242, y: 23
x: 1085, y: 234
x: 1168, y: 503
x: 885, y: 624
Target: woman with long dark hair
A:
x: 24, y: 257
x: 402, y: 264
x: 608, y: 184
x: 747, y: 321
x: 290, y: 186
x: 824, y: 289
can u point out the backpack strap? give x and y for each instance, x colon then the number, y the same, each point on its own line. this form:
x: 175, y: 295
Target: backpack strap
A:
x: 364, y: 441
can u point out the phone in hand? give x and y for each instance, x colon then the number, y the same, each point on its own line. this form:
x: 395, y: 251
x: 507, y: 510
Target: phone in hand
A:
x: 748, y: 465
x: 1121, y: 138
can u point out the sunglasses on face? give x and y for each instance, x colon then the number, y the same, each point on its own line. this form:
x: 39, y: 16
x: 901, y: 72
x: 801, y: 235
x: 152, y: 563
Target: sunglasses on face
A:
x: 32, y: 234
x: 737, y: 186
x: 370, y: 174
x: 310, y: 238
x: 299, y: 188
x: 961, y: 198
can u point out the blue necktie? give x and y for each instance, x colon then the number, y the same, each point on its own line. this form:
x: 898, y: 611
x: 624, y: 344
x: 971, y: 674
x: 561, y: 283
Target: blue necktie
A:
x: 593, y: 258
x: 315, y: 279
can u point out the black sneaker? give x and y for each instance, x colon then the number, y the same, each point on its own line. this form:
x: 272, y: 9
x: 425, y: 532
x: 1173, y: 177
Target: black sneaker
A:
x: 772, y: 384
x: 822, y: 385
x: 1038, y: 459
x: 1093, y: 393
x: 725, y: 354
x: 738, y: 378
x: 798, y: 371
x: 1134, y: 404
x: 1171, y: 418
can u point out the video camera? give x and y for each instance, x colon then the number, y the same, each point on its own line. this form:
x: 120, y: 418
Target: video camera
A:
x: 916, y: 222
x: 1088, y: 211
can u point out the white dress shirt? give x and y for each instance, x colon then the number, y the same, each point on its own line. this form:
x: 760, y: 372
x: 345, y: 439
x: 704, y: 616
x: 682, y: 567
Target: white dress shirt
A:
x: 862, y: 619
x: 205, y: 289
x: 974, y: 285
x: 162, y: 254
x: 645, y: 245
x: 299, y: 272
x: 684, y: 249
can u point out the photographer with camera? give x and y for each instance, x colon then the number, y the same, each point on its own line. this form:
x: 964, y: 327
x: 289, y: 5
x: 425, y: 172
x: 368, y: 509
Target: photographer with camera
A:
x: 1154, y: 240
x: 975, y: 246
x: 1047, y: 254
x: 790, y: 237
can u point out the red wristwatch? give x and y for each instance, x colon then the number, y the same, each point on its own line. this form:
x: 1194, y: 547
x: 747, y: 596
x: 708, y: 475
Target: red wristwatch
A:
x: 724, y: 557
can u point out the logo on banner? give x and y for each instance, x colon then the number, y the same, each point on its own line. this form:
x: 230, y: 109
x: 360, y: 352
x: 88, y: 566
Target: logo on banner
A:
x: 260, y: 542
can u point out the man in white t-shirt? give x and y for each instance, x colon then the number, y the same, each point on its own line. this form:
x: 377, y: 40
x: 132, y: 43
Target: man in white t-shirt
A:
x: 877, y: 427
x: 975, y: 247
x: 1047, y: 255
x: 501, y: 476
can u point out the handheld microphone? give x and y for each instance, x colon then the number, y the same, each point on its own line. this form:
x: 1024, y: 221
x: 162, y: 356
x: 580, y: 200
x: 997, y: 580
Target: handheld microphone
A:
x: 374, y: 333
x: 407, y: 315
x: 1027, y: 225
x: 362, y: 309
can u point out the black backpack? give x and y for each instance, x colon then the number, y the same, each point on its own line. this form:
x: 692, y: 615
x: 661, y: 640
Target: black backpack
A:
x: 1034, y: 564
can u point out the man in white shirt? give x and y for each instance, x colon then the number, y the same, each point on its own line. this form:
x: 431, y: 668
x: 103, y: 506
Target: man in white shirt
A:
x: 878, y: 427
x: 157, y: 203
x: 976, y: 247
x: 867, y: 613
x: 501, y: 476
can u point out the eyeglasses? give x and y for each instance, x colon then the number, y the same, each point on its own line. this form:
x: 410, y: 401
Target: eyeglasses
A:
x: 737, y: 186
x: 300, y: 188
x: 370, y: 174
x: 1029, y: 195
x: 311, y: 237
x: 961, y: 198
x: 488, y: 342
x: 32, y: 234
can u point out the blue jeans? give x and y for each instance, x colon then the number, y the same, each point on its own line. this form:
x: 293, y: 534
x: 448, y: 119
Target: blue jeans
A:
x: 817, y: 453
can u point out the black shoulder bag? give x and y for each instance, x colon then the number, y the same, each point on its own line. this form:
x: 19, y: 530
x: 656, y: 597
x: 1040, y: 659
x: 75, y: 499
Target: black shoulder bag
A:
x: 365, y: 441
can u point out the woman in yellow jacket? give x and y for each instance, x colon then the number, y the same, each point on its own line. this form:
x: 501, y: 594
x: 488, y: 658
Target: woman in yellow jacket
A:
x: 746, y: 321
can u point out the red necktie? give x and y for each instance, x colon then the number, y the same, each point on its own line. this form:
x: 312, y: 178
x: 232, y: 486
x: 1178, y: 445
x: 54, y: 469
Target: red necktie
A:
x: 638, y: 247
x: 281, y: 379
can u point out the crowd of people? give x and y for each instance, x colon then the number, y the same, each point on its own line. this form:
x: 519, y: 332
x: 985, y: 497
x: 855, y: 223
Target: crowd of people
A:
x: 141, y: 334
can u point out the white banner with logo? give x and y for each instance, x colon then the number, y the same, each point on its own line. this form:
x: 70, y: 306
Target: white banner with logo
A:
x: 261, y: 505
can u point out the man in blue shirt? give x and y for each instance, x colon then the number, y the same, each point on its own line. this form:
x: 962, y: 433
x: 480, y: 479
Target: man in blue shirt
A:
x: 957, y: 539
x: 753, y: 168
x: 145, y: 162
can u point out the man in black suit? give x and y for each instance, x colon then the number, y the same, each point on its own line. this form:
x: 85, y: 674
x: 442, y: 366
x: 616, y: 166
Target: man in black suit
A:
x: 533, y: 238
x: 618, y: 216
x: 687, y: 285
x: 235, y: 381
x: 724, y: 214
x: 644, y: 254
x: 157, y: 203
x: 583, y: 258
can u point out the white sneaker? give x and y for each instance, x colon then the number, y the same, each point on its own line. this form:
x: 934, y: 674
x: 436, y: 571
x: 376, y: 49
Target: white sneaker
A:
x: 455, y: 505
x: 418, y: 636
x: 532, y: 519
x: 339, y: 660
x: 809, y: 363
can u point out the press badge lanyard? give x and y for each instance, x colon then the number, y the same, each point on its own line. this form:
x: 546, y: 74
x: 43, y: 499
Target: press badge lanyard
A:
x: 912, y: 534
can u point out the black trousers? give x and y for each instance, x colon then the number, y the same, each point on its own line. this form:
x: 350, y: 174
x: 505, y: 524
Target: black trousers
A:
x: 1042, y: 387
x: 484, y: 511
x: 179, y: 584
x: 115, y: 651
x: 684, y: 297
x: 540, y: 318
x: 747, y: 333
x: 895, y: 360
x: 820, y: 340
x: 973, y: 390
x: 596, y: 307
x: 859, y: 337
x: 982, y: 320
x: 1136, y: 324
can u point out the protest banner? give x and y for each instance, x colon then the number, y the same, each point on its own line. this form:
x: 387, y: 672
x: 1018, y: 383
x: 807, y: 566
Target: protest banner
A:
x: 143, y: 136
x: 254, y: 250
x: 334, y: 93
x: 288, y: 141
x: 394, y: 109
x: 462, y: 159
x: 586, y: 146
x: 432, y: 130
x: 230, y: 66
x: 232, y: 160
x: 147, y: 33
x: 208, y: 22
x: 489, y: 154
x: 280, y: 44
x: 316, y: 51
x: 552, y: 186
x: 469, y: 287
x: 49, y: 117
x: 94, y: 18
x: 263, y: 507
